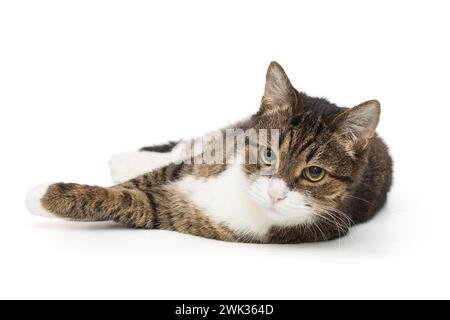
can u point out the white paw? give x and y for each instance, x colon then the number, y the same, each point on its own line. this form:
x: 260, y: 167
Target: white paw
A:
x: 33, y: 201
x: 129, y: 165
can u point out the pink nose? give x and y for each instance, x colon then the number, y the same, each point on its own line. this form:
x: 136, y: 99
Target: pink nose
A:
x: 276, y: 196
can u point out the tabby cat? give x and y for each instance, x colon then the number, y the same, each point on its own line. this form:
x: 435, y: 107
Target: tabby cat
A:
x: 329, y: 172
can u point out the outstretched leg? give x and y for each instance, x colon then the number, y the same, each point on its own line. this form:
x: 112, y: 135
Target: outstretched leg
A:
x: 148, y: 201
x: 92, y: 203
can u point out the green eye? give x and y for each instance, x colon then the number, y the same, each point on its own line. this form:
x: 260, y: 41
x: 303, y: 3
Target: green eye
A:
x: 268, y: 156
x: 314, y: 174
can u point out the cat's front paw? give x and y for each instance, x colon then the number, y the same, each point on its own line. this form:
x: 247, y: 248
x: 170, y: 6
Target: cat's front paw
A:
x: 34, y: 201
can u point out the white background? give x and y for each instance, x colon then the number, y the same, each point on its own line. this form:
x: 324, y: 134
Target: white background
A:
x: 81, y: 80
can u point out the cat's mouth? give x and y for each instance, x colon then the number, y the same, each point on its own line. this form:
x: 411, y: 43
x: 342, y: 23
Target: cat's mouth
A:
x: 275, y: 212
x: 286, y: 213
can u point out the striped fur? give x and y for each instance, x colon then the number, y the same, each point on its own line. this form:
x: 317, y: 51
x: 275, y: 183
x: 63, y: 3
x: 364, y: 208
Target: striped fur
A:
x: 230, y: 202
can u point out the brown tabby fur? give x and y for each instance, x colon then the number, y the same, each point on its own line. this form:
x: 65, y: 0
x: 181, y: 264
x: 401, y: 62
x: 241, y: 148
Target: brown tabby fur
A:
x: 355, y: 188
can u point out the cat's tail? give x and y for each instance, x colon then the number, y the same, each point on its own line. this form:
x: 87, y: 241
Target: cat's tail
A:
x: 162, y: 148
x: 91, y: 203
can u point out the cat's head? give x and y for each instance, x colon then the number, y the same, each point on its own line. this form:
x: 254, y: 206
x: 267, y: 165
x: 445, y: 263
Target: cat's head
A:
x: 322, y: 153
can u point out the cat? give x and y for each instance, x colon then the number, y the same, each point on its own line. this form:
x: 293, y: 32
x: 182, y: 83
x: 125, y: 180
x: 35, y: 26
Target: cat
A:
x: 328, y: 171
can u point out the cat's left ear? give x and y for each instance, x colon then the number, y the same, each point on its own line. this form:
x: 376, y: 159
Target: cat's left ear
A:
x: 278, y: 92
x: 355, y: 127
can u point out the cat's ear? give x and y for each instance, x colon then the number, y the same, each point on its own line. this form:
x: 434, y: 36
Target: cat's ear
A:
x: 278, y: 92
x: 355, y: 127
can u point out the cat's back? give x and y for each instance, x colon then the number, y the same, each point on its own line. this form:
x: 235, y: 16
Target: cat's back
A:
x: 371, y: 192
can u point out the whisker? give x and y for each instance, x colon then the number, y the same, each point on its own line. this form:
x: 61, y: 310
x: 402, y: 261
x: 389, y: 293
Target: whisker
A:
x: 342, y: 217
x: 323, y: 234
x: 342, y: 224
x: 338, y: 226
x: 340, y: 214
x: 364, y: 200
x: 339, y: 222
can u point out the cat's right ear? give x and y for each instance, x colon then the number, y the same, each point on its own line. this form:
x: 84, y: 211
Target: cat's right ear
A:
x: 355, y: 127
x: 279, y: 94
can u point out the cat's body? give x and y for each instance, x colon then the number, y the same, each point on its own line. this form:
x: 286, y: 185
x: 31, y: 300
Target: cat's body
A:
x: 329, y: 172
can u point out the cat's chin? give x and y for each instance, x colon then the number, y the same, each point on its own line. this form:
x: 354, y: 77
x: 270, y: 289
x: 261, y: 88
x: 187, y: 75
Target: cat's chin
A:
x: 272, y: 212
x: 287, y: 219
x: 276, y: 215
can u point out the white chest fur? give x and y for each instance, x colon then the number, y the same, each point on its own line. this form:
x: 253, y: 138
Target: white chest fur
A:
x: 225, y: 199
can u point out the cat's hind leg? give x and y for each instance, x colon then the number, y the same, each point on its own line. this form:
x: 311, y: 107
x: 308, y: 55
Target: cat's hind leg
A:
x: 126, y: 166
x: 129, y: 165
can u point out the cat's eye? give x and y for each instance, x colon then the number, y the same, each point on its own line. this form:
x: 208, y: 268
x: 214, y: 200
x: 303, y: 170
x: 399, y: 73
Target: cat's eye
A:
x: 268, y: 156
x: 314, y: 174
